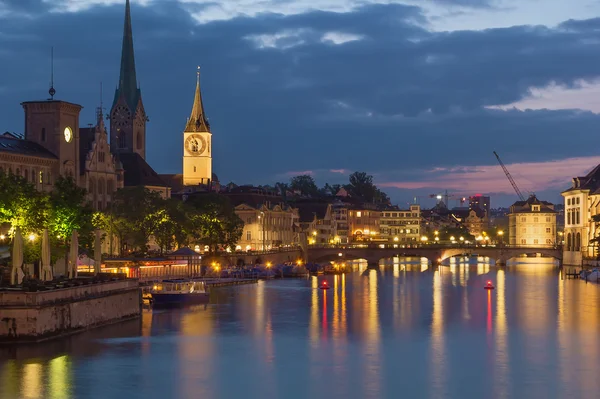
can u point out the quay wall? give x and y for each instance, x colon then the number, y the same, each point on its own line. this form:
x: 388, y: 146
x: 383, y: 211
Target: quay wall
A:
x: 37, y: 316
x: 250, y: 259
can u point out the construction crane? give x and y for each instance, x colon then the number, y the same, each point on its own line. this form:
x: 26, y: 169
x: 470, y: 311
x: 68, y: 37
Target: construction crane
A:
x: 445, y: 198
x: 510, y: 179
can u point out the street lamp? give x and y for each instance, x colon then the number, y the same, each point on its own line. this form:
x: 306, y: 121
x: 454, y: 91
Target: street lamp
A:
x: 31, y: 237
x: 500, y: 234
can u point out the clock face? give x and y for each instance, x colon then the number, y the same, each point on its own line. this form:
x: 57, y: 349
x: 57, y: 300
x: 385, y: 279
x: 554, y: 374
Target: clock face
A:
x: 121, y: 116
x: 195, y: 145
x: 68, y: 134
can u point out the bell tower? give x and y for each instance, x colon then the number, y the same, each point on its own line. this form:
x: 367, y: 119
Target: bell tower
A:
x: 197, y: 158
x: 127, y: 115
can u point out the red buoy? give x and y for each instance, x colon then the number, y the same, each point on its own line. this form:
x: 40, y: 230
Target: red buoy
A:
x: 324, y: 285
x: 489, y: 286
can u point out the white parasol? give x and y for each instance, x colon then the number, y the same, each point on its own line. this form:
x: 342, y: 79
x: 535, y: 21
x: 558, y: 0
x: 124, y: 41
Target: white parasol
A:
x: 46, y: 268
x: 17, y: 258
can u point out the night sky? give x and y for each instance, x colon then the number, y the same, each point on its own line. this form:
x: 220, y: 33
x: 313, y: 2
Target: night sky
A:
x: 417, y: 93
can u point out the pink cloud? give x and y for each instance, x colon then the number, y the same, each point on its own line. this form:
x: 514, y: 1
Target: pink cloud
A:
x: 340, y: 171
x: 532, y: 176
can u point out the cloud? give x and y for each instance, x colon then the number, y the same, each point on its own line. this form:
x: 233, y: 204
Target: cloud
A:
x: 530, y: 177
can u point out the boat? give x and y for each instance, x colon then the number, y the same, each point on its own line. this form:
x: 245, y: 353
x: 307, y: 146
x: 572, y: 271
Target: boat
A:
x: 177, y: 292
x: 324, y: 285
x: 489, y: 286
x: 590, y: 275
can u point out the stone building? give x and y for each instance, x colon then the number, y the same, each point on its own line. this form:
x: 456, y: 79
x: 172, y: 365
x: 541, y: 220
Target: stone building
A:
x: 532, y: 223
x: 401, y: 225
x: 581, y: 206
x: 317, y: 221
x: 363, y: 223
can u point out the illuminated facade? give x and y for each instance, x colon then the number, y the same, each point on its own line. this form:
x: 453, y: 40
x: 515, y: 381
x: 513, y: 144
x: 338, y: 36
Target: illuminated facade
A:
x: 363, y: 224
x: 197, y: 158
x: 532, y: 223
x: 317, y: 221
x: 477, y: 221
x: 267, y: 226
x: 401, y: 225
x: 582, y: 205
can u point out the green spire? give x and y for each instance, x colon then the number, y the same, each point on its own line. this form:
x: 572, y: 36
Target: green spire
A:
x: 127, y: 78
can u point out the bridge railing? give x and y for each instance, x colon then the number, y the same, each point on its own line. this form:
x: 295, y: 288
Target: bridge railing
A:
x: 431, y: 246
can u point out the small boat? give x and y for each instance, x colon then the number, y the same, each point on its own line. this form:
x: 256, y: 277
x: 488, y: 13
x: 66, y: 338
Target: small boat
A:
x: 489, y: 286
x: 177, y: 292
x: 590, y: 275
x: 324, y: 285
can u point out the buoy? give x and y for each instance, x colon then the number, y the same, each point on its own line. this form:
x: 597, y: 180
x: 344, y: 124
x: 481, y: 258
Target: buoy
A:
x: 324, y: 285
x: 489, y: 286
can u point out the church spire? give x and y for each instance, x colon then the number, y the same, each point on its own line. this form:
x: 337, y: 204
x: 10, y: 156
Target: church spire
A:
x: 197, y: 121
x: 127, y: 78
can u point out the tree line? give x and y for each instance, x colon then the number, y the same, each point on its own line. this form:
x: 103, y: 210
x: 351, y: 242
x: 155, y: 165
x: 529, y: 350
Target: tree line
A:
x: 134, y: 216
x: 360, y: 185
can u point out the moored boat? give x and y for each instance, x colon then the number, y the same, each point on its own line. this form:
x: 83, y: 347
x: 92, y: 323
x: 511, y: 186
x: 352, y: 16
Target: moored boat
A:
x: 177, y: 292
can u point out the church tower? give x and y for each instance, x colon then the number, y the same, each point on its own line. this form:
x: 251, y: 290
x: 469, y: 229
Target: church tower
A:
x: 197, y: 158
x: 127, y: 115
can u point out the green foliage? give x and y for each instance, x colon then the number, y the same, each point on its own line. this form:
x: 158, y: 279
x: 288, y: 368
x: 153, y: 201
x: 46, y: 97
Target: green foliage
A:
x: 213, y: 221
x: 305, y: 185
x: 172, y: 224
x: 21, y: 205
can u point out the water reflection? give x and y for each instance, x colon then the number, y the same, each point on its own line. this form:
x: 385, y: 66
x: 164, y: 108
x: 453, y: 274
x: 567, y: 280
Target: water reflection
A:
x: 405, y: 329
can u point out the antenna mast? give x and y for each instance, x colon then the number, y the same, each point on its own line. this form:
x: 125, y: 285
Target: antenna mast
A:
x: 52, y: 92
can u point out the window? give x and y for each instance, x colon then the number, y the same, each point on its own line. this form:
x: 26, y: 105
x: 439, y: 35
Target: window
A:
x: 523, y: 219
x: 43, y: 135
x: 41, y: 177
x: 569, y: 217
x: 523, y: 241
x: 577, y: 201
x: 548, y: 219
x: 358, y: 214
x: 122, y: 139
x: 535, y: 241
x: 249, y: 220
x: 577, y: 213
x: 248, y: 235
x: 535, y: 220
x: 524, y: 230
x: 548, y: 241
x: 548, y: 230
x: 535, y: 208
x: 569, y: 201
x: 194, y: 168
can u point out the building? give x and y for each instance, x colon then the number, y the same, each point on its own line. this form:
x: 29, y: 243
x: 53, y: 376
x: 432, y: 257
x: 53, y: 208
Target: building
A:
x: 317, y: 221
x: 197, y: 158
x: 363, y: 223
x: 340, y: 218
x: 401, y: 225
x: 532, y: 223
x: 581, y: 208
x: 477, y: 221
x: 480, y: 203
x: 268, y: 222
x: 128, y: 122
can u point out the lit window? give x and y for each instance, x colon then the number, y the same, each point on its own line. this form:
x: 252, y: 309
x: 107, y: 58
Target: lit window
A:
x: 358, y: 214
x: 41, y: 176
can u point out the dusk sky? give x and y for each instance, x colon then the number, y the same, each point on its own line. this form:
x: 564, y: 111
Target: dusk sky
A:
x: 417, y: 93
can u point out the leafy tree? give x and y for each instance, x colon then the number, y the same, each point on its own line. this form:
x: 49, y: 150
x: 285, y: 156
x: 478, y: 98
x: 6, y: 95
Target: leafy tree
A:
x: 69, y: 211
x: 213, y: 221
x: 305, y: 185
x: 330, y: 189
x: 172, y: 225
x: 21, y: 205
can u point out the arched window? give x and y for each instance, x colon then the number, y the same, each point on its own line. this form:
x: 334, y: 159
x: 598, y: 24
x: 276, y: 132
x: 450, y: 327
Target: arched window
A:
x: 569, y: 217
x: 569, y: 243
x: 122, y: 139
x: 577, y: 242
x: 138, y: 140
x: 578, y: 213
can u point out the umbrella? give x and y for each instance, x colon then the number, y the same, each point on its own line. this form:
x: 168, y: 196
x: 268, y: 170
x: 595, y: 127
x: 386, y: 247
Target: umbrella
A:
x: 46, y: 268
x: 97, y: 253
x: 73, y: 255
x: 17, y: 257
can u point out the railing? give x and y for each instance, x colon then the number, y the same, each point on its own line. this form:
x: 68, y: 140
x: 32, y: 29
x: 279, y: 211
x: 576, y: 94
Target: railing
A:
x: 429, y: 246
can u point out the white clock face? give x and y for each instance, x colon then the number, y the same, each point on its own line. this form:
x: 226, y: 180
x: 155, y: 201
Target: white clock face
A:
x: 68, y: 134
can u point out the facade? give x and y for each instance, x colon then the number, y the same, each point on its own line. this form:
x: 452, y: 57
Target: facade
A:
x: 268, y: 222
x: 363, y: 224
x: 532, y: 223
x: 480, y: 203
x: 581, y: 207
x: 477, y: 221
x: 340, y: 218
x: 317, y: 222
x: 197, y: 158
x: 100, y: 173
x: 401, y: 225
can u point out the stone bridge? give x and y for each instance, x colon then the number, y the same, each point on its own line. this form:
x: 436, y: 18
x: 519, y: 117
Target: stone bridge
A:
x: 436, y: 254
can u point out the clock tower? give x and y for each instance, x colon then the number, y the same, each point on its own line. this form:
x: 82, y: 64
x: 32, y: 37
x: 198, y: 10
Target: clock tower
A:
x: 127, y: 115
x: 197, y: 158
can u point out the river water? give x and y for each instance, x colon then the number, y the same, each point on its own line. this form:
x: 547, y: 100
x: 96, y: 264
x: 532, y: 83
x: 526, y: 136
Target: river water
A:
x: 405, y: 330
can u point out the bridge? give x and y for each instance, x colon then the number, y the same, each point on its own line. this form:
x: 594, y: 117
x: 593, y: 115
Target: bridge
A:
x: 436, y: 254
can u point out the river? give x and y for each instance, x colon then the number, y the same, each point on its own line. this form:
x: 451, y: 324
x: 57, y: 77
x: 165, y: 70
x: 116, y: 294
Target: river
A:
x: 405, y: 330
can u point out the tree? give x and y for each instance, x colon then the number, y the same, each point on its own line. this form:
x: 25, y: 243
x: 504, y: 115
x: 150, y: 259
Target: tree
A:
x: 361, y: 186
x: 70, y: 211
x: 135, y: 213
x: 213, y: 221
x: 330, y: 189
x: 172, y: 225
x: 305, y: 185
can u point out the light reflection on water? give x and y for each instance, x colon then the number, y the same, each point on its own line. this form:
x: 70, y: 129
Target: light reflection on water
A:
x: 406, y: 329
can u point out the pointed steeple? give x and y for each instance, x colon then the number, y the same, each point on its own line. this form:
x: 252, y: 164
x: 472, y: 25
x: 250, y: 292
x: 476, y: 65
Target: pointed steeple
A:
x: 127, y: 78
x: 197, y: 121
